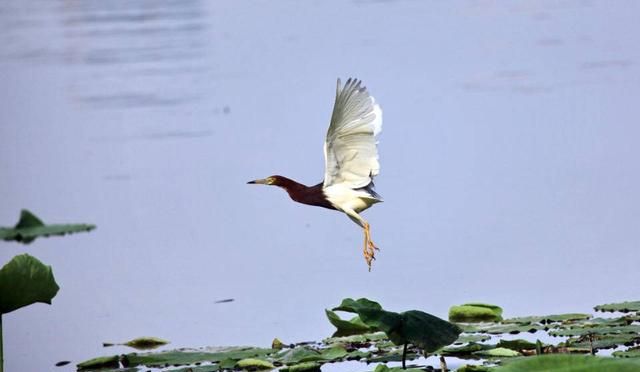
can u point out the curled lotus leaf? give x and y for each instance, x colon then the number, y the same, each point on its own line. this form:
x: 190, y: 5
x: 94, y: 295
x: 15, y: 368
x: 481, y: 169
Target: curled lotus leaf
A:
x: 24, y: 281
x: 354, y: 326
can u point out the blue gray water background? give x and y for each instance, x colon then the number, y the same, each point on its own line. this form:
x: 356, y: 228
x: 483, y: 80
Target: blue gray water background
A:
x: 509, y: 160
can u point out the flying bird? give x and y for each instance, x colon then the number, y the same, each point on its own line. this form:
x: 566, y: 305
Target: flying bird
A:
x: 351, y: 161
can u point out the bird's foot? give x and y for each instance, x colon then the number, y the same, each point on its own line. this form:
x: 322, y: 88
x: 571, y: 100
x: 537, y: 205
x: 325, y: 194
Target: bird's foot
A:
x: 369, y: 248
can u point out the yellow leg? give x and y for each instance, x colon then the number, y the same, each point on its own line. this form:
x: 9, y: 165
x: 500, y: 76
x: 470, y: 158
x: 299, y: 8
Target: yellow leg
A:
x: 369, y: 247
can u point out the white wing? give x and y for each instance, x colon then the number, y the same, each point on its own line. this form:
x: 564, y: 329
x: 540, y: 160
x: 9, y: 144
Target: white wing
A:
x: 350, y: 149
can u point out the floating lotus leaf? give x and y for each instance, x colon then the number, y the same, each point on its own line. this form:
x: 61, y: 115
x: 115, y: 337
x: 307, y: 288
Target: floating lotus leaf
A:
x: 354, y: 326
x: 358, y: 354
x: 546, y: 319
x: 141, y: 343
x: 475, y: 368
x: 24, y: 281
x: 570, y: 363
x: 498, y: 352
x: 465, y: 338
x: 624, y: 307
x: 356, y: 339
x: 384, y: 368
x: 30, y: 227
x: 302, y: 367
x: 497, y: 329
x: 609, y: 322
x: 177, y: 357
x: 394, y: 355
x: 112, y: 361
x: 475, y: 312
x: 254, y: 364
x: 633, y: 352
x: 467, y: 349
x: 207, y: 368
x: 517, y: 345
x: 633, y: 329
x: 600, y: 341
x: 307, y: 354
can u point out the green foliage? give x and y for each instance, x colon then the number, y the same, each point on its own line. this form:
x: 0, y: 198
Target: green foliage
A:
x: 112, y: 361
x: 24, y: 281
x: 178, y: 357
x: 424, y: 330
x: 141, y: 343
x: 254, y: 364
x: 570, y: 363
x: 546, y: 319
x: 624, y: 307
x: 302, y: 367
x: 475, y: 312
x: 498, y: 352
x: 355, y: 326
x: 633, y: 352
x: 518, y: 344
x: 30, y: 227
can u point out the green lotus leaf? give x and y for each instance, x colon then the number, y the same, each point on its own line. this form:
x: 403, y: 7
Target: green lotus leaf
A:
x: 354, y: 326
x: 384, y: 368
x: 475, y: 368
x: 112, y: 361
x: 518, y: 344
x: 254, y: 364
x: 355, y: 306
x: 356, y: 339
x: 24, y: 281
x: 30, y: 227
x: 302, y: 367
x: 546, y: 319
x: 178, y: 357
x: 498, y: 352
x: 623, y: 307
x: 141, y: 343
x: 467, y: 349
x: 206, y: 368
x: 599, y: 341
x: 475, y: 312
x: 633, y: 352
x: 570, y: 363
x: 500, y: 328
x: 632, y: 329
x: 307, y: 354
x: 465, y: 338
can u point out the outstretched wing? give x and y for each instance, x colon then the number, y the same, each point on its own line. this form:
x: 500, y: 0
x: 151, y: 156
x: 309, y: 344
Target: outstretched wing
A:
x: 350, y: 149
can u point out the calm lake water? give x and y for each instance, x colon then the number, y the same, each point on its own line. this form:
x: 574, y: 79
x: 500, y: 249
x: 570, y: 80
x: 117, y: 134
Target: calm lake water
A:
x: 509, y: 163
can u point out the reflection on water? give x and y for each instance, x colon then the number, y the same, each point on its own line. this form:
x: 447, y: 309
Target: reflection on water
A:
x: 128, y: 53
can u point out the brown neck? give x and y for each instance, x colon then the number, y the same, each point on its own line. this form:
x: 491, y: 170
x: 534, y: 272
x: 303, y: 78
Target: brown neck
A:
x: 292, y: 187
x: 304, y: 194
